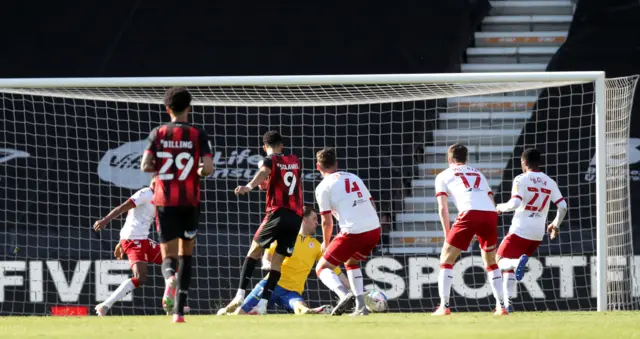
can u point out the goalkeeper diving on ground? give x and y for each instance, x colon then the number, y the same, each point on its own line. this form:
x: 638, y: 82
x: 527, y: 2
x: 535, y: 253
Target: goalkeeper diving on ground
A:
x: 295, y: 270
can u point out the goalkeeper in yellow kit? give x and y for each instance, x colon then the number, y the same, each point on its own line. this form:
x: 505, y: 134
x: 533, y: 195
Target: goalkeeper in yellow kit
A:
x: 295, y: 270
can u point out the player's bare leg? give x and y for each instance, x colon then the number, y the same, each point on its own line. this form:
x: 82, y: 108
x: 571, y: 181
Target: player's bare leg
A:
x: 494, y: 275
x: 248, y: 266
x: 169, y: 252
x: 139, y: 278
x: 448, y: 257
x: 185, y: 254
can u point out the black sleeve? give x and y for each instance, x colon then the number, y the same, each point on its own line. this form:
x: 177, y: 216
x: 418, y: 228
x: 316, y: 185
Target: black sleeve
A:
x: 205, y: 148
x: 267, y: 162
x: 151, y: 139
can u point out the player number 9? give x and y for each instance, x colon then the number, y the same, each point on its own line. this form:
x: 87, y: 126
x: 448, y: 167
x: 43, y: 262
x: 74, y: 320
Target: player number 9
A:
x: 184, y: 161
x: 290, y: 181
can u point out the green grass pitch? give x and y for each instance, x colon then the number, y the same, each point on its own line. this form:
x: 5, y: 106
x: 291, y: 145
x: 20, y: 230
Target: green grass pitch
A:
x: 554, y: 325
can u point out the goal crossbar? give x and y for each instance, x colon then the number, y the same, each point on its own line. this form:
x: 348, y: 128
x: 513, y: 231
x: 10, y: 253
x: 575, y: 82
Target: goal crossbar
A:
x: 309, y: 80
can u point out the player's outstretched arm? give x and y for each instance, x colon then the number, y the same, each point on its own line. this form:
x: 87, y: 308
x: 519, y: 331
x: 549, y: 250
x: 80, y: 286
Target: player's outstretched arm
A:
x: 517, y: 192
x: 443, y: 212
x: 262, y: 174
x: 552, y: 229
x: 510, y: 205
x: 116, y: 212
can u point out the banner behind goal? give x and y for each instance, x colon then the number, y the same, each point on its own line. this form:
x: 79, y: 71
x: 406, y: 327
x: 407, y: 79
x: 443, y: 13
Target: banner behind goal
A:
x: 70, y: 151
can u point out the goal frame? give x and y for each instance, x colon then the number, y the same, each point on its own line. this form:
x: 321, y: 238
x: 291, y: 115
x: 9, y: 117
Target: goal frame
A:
x: 597, y: 77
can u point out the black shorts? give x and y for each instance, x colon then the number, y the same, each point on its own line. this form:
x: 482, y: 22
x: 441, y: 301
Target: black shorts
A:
x: 177, y: 222
x: 282, y: 226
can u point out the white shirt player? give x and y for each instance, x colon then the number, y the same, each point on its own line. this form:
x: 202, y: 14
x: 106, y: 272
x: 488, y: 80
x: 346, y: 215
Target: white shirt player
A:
x: 139, y: 218
x: 468, y: 188
x: 346, y: 197
x: 535, y: 192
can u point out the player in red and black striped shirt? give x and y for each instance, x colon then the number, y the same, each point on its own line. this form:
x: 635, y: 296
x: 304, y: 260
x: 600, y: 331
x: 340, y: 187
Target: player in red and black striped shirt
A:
x: 280, y: 174
x: 179, y: 154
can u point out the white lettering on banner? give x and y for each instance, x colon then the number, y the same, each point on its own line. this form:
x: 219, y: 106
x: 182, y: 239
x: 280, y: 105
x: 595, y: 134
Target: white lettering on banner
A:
x: 566, y: 266
x: 69, y: 292
x: 104, y: 278
x: 373, y: 271
x: 7, y: 154
x: 421, y: 271
x: 617, y: 272
x: 418, y: 276
x: 405, y: 278
x: 36, y: 291
x: 236, y: 158
x: 121, y: 166
x: 530, y: 280
x: 458, y: 284
x: 235, y: 173
x: 10, y: 280
x: 311, y: 176
x: 633, y: 156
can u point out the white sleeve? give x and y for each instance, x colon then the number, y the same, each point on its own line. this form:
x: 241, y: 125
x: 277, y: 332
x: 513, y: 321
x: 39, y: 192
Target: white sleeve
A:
x: 556, y: 195
x: 142, y: 197
x: 516, y: 196
x: 323, y: 197
x: 441, y: 188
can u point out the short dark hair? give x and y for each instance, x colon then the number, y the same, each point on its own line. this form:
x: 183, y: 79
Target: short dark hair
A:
x: 458, y: 152
x: 307, y: 210
x: 178, y: 99
x: 273, y: 139
x: 327, y: 157
x: 532, y: 157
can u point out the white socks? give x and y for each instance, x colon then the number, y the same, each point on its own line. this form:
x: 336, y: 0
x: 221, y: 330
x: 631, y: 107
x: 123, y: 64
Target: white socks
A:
x: 357, y: 285
x: 120, y: 292
x: 444, y: 284
x: 355, y: 280
x: 509, y: 279
x: 240, y: 294
x: 508, y: 264
x: 494, y: 274
x: 331, y: 280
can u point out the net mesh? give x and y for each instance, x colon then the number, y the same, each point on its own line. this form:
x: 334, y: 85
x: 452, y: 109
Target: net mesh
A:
x: 69, y: 155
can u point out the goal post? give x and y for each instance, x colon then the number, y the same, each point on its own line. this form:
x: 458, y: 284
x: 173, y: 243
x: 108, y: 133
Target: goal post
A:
x: 390, y: 129
x: 601, y: 191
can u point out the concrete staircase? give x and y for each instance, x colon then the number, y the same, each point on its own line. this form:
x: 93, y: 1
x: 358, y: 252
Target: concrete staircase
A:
x: 517, y: 36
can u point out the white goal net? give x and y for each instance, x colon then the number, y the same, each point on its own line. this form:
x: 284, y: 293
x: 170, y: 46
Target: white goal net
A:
x: 70, y: 151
